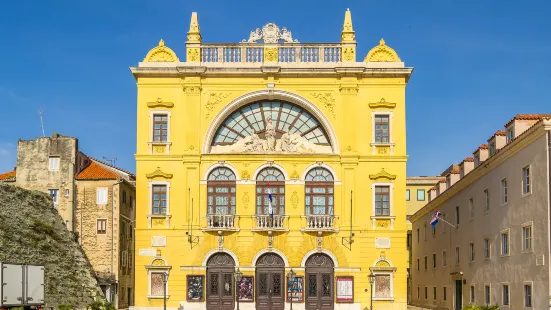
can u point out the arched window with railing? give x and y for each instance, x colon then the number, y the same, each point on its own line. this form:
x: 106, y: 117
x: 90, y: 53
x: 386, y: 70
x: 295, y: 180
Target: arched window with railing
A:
x: 270, y: 180
x: 221, y: 197
x: 319, y: 195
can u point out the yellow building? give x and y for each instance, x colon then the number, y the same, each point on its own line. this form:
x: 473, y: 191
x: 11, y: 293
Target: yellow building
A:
x: 268, y: 156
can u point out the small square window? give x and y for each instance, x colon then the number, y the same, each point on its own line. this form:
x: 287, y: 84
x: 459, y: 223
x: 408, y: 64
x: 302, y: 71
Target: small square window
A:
x: 420, y: 195
x: 53, y: 163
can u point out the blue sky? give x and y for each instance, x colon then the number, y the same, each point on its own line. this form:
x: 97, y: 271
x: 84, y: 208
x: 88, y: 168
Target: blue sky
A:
x: 477, y: 64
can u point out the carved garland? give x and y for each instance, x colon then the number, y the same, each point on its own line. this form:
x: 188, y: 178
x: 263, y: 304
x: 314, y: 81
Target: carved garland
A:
x: 328, y: 101
x: 214, y: 99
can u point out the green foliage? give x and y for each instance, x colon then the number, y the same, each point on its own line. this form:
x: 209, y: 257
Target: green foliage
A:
x: 65, y: 307
x: 100, y: 305
x: 42, y: 228
x: 485, y: 307
x: 470, y: 307
x: 489, y: 307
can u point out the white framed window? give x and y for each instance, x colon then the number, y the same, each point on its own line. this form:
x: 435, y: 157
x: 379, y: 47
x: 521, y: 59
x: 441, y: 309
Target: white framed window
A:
x: 157, y: 278
x: 471, y: 251
x: 159, y: 129
x: 381, y: 123
x: 486, y: 200
x: 471, y: 208
x: 528, y: 294
x: 159, y: 200
x: 487, y: 248
x: 510, y: 134
x: 448, y: 181
x: 54, y: 193
x: 526, y: 179
x: 504, y: 198
x: 505, y: 243
x: 53, y: 163
x: 505, y: 294
x: 101, y: 195
x: 457, y: 255
x: 527, y: 237
x: 444, y: 258
x: 487, y: 294
x: 101, y: 226
x: 420, y: 195
x: 407, y: 194
x: 383, y: 288
x: 382, y: 198
x: 472, y: 294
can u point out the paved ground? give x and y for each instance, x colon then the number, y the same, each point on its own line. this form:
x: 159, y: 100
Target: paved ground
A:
x: 415, y: 308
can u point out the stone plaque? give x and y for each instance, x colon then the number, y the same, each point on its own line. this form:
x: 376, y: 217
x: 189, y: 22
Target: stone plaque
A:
x: 382, y: 243
x: 147, y: 252
x: 158, y: 241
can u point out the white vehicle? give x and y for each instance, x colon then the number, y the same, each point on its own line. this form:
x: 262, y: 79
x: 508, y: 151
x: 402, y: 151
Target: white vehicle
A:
x: 21, y: 285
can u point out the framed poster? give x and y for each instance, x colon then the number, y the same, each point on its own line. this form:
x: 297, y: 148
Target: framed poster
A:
x: 195, y: 285
x: 345, y: 289
x: 245, y: 291
x: 295, y: 289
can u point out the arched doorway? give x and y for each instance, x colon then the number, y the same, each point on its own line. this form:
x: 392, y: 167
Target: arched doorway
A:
x: 319, y: 282
x: 220, y: 290
x: 270, y: 282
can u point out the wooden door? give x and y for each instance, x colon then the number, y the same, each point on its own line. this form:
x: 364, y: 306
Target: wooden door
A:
x: 220, y: 283
x: 270, y: 282
x: 319, y: 282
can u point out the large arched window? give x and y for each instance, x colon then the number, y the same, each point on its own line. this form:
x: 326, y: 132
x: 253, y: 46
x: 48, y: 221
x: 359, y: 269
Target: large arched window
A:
x: 270, y: 180
x: 221, y: 191
x: 319, y: 196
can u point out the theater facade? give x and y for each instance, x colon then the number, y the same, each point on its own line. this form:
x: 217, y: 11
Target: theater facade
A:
x: 271, y: 174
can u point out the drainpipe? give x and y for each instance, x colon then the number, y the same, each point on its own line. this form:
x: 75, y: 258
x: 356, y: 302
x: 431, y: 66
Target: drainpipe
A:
x: 119, y: 181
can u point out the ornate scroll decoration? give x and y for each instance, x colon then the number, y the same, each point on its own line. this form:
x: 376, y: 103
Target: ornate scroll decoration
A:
x: 161, y: 53
x: 245, y: 175
x: 270, y: 54
x: 221, y: 259
x: 159, y: 149
x: 270, y: 259
x: 382, y: 104
x: 193, y: 54
x: 192, y: 90
x: 214, y: 99
x: 319, y: 260
x: 158, y: 262
x: 270, y: 241
x: 382, y: 53
x: 382, y: 175
x: 348, y: 54
x: 328, y: 101
x: 220, y: 243
x: 348, y: 90
x: 159, y: 174
x: 156, y: 223
x: 294, y: 199
x: 319, y: 242
x: 270, y: 33
x: 383, y: 223
x: 160, y: 103
x: 246, y: 200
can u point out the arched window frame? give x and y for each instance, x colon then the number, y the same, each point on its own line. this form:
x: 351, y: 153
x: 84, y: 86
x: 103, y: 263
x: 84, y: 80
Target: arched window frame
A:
x: 221, y: 183
x: 274, y: 179
x: 315, y: 187
x: 385, y: 269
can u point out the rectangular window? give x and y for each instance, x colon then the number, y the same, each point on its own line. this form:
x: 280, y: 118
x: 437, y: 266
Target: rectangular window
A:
x: 510, y: 135
x: 425, y: 232
x: 160, y: 127
x: 457, y: 255
x: 456, y: 215
x: 526, y: 180
x: 433, y: 260
x: 477, y: 160
x: 159, y: 199
x: 487, y: 294
x: 505, y: 294
x: 472, y: 294
x: 417, y: 235
x: 101, y: 226
x: 471, y: 251
x: 382, y: 200
x: 123, y: 258
x: 487, y: 248
x: 418, y: 294
x: 434, y: 293
x: 505, y: 243
x: 444, y: 293
x: 433, y: 228
x: 420, y: 195
x: 426, y: 260
x: 123, y: 196
x: 53, y: 163
x: 426, y: 293
x: 407, y: 195
x: 486, y: 200
x: 417, y: 264
x: 527, y: 238
x: 101, y: 195
x: 492, y: 148
x: 67, y: 192
x: 471, y: 208
x: 528, y: 295
x: 444, y: 258
x: 504, y: 198
x: 382, y: 129
x: 54, y: 194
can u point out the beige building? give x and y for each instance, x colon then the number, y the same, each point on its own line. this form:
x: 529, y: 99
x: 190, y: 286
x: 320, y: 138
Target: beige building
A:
x: 495, y: 249
x: 96, y: 201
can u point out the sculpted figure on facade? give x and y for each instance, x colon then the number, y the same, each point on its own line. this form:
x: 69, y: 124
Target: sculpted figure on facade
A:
x: 271, y: 34
x: 254, y: 36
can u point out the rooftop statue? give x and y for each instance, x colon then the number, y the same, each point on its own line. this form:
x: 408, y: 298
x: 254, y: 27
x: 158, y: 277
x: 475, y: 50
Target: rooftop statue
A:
x: 270, y: 33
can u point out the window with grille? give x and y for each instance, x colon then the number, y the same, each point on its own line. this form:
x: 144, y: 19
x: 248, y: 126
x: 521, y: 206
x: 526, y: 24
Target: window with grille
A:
x: 221, y: 192
x: 527, y: 238
x: 319, y: 196
x: 526, y: 180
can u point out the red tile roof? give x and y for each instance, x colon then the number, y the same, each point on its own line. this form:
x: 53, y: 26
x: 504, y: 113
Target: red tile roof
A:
x: 433, y: 188
x: 500, y: 133
x: 7, y: 176
x: 96, y: 171
x: 468, y: 159
x: 482, y: 147
x: 527, y: 117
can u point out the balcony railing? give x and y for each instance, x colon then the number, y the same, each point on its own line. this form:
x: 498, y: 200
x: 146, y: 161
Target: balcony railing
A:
x: 323, y: 222
x: 223, y: 222
x: 270, y: 223
x: 282, y: 53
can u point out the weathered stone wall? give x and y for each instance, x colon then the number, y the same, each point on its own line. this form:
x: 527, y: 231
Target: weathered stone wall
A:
x: 32, y: 232
x: 32, y: 169
x: 126, y: 242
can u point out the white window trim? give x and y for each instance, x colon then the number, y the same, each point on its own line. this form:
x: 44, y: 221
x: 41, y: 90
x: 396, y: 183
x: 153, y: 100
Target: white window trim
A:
x: 391, y: 274
x: 531, y: 283
x: 391, y: 207
x: 390, y: 131
x: 58, y: 163
x: 486, y: 200
x: 472, y: 256
x: 529, y: 166
x: 149, y: 272
x: 106, y: 196
x: 509, y: 295
x: 531, y: 225
x: 150, y: 142
x: 106, y: 226
x: 508, y: 232
x: 502, y: 192
x: 57, y: 199
x: 490, y: 301
x: 490, y: 247
x: 150, y: 214
x: 444, y: 258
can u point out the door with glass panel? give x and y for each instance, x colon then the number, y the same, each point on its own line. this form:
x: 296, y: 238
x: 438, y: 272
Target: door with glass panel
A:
x: 270, y: 282
x: 220, y: 283
x: 221, y: 198
x: 319, y: 282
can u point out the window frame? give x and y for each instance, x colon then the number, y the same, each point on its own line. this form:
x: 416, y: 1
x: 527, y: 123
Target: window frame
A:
x: 503, y: 285
x: 54, y: 167
x: 164, y: 191
x: 408, y: 195
x: 510, y: 134
x: 309, y: 187
x: 472, y: 295
x: 98, y: 231
x: 457, y: 255
x: 486, y: 200
x: 150, y: 214
x: 423, y: 192
x: 503, y: 233
x: 526, y: 180
x: 471, y: 252
x: 151, y: 141
x: 471, y: 209
x: 391, y: 276
x: 504, y: 192
x: 526, y: 284
x: 101, y: 189
x: 487, y: 293
x: 526, y: 225
x: 390, y: 186
x: 375, y: 123
x: 487, y: 248
x: 51, y: 192
x: 444, y: 293
x: 426, y: 262
x: 150, y: 272
x: 457, y: 215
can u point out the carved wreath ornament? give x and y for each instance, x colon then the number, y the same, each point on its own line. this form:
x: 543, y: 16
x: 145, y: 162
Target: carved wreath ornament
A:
x: 270, y: 33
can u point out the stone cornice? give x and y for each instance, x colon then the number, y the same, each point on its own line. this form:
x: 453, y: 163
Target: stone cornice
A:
x: 529, y: 136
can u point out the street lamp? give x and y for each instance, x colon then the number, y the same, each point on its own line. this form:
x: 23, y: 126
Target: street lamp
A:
x: 238, y: 275
x: 290, y: 280
x: 165, y: 281
x: 371, y: 281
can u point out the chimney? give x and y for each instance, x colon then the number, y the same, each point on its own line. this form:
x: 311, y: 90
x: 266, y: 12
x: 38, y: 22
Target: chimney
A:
x: 440, y: 187
x: 480, y: 155
x: 466, y: 166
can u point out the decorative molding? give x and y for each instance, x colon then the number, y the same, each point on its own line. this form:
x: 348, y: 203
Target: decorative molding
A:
x: 270, y: 54
x: 245, y: 175
x: 383, y: 223
x: 191, y: 148
x: 246, y: 200
x: 328, y: 101
x: 382, y: 104
x: 159, y: 174
x: 220, y: 243
x: 161, y: 53
x: 348, y: 90
x: 348, y: 54
x: 382, y: 175
x: 270, y: 241
x: 382, y: 53
x: 192, y: 90
x: 193, y: 54
x: 158, y: 223
x: 319, y: 242
x: 295, y: 175
x: 349, y: 148
x: 160, y: 103
x: 159, y: 148
x: 294, y: 199
x: 194, y: 32
x: 214, y: 99
x: 270, y: 34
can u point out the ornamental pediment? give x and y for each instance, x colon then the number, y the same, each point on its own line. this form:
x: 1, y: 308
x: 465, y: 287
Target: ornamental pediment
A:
x: 382, y: 175
x: 159, y: 174
x: 270, y: 33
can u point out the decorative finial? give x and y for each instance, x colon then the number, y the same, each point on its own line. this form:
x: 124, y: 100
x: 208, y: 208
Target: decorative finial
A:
x: 347, y: 30
x: 382, y: 42
x: 162, y: 42
x: 194, y: 33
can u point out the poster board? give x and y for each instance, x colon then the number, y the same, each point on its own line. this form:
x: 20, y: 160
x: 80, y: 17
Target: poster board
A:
x: 295, y: 290
x: 195, y: 288
x: 245, y: 291
x: 345, y: 289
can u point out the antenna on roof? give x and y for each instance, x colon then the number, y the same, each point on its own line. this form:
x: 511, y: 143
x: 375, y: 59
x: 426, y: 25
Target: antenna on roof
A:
x: 111, y: 161
x: 41, y: 122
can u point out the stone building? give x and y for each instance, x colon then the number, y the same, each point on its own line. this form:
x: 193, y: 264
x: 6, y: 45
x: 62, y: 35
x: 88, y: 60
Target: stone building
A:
x: 95, y: 200
x: 269, y: 156
x: 491, y: 244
